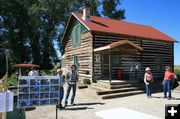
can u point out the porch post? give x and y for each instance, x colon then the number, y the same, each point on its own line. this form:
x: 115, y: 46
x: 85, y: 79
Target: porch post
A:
x: 135, y: 66
x: 110, y: 66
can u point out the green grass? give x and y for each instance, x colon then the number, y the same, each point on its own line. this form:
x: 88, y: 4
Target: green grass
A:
x: 177, y: 71
x: 12, y: 81
x: 177, y: 67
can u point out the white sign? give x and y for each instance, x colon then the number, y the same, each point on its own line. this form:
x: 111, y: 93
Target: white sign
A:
x: 6, y: 99
x: 124, y: 113
x: 38, y: 91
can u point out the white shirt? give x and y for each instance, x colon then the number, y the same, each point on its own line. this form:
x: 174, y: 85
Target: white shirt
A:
x: 61, y: 80
x: 33, y: 73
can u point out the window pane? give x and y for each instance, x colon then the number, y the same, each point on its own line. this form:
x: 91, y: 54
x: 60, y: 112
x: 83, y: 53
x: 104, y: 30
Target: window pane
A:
x: 76, y: 34
x: 73, y: 37
x: 116, y: 59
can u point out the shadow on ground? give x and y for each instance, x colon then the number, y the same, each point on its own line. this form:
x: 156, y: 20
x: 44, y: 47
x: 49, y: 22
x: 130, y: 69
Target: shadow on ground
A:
x: 158, y: 97
x: 83, y: 106
x: 95, y: 103
x: 30, y: 108
x: 77, y: 108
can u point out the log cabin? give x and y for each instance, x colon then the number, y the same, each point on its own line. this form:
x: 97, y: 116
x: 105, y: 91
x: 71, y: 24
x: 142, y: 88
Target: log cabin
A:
x: 102, y: 48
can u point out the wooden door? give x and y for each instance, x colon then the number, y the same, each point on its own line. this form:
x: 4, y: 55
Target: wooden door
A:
x: 105, y: 66
x: 75, y: 61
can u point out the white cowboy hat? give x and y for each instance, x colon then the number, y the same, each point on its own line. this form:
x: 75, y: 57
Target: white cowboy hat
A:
x: 58, y: 70
x: 148, y: 69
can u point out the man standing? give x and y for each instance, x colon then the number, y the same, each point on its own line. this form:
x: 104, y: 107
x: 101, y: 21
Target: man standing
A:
x: 72, y: 79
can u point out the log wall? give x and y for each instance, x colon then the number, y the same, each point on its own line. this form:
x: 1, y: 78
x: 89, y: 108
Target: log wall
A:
x: 84, y: 52
x: 152, y: 49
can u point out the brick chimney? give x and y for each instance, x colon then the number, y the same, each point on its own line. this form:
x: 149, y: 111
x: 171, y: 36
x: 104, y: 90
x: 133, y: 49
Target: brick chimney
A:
x: 86, y: 12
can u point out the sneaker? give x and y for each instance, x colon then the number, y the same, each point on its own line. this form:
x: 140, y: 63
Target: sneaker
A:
x: 73, y: 104
x: 169, y: 98
x: 164, y: 97
x: 65, y: 105
x: 60, y: 106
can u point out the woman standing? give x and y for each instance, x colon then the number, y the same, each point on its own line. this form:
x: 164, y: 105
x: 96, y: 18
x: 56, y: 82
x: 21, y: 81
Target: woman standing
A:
x: 167, y: 82
x: 148, y: 79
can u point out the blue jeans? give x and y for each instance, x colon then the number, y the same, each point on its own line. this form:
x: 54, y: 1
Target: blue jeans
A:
x: 148, y: 89
x: 73, y: 86
x: 167, y: 87
x: 61, y: 94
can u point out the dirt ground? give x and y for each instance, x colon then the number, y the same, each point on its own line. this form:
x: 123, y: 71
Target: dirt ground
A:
x: 88, y: 103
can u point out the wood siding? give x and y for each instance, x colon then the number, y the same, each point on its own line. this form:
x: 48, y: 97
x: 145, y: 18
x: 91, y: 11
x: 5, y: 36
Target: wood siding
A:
x: 84, y: 53
x: 152, y: 49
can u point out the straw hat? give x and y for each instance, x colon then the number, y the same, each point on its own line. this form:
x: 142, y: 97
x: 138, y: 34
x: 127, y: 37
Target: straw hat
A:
x: 148, y: 69
x: 58, y: 70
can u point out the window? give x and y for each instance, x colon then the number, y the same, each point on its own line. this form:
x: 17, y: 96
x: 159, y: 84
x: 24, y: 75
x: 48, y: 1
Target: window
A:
x: 97, y: 58
x: 158, y: 62
x: 76, y: 35
x: 116, y: 59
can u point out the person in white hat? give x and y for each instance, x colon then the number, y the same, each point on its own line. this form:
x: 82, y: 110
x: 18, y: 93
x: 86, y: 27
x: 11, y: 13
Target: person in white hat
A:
x: 148, y: 79
x: 62, y: 82
x: 33, y: 72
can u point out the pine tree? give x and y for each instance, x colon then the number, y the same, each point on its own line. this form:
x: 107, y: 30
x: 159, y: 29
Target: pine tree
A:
x: 110, y: 9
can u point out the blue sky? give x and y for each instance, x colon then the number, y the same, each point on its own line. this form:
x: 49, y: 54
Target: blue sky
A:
x: 161, y: 14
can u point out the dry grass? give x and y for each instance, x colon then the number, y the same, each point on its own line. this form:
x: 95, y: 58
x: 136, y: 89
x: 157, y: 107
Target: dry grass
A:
x: 177, y: 71
x: 177, y: 67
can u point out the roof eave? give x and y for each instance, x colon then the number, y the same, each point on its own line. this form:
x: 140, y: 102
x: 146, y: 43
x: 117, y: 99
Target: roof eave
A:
x: 73, y: 14
x: 119, y: 43
x: 80, y: 21
x: 173, y: 40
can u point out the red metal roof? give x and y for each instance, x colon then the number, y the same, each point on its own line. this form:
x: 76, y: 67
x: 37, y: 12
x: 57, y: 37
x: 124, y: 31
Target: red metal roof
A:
x: 121, y: 27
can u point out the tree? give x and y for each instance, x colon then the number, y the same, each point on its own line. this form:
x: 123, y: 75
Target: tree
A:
x: 49, y: 15
x: 111, y: 10
x: 31, y: 28
x: 14, y: 35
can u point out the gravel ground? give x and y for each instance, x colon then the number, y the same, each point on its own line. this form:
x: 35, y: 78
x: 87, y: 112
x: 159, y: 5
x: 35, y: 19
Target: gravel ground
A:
x: 88, y: 103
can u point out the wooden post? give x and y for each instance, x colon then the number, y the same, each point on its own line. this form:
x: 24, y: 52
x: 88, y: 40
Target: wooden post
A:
x: 110, y: 67
x: 19, y: 71
x: 56, y: 112
x: 135, y: 66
